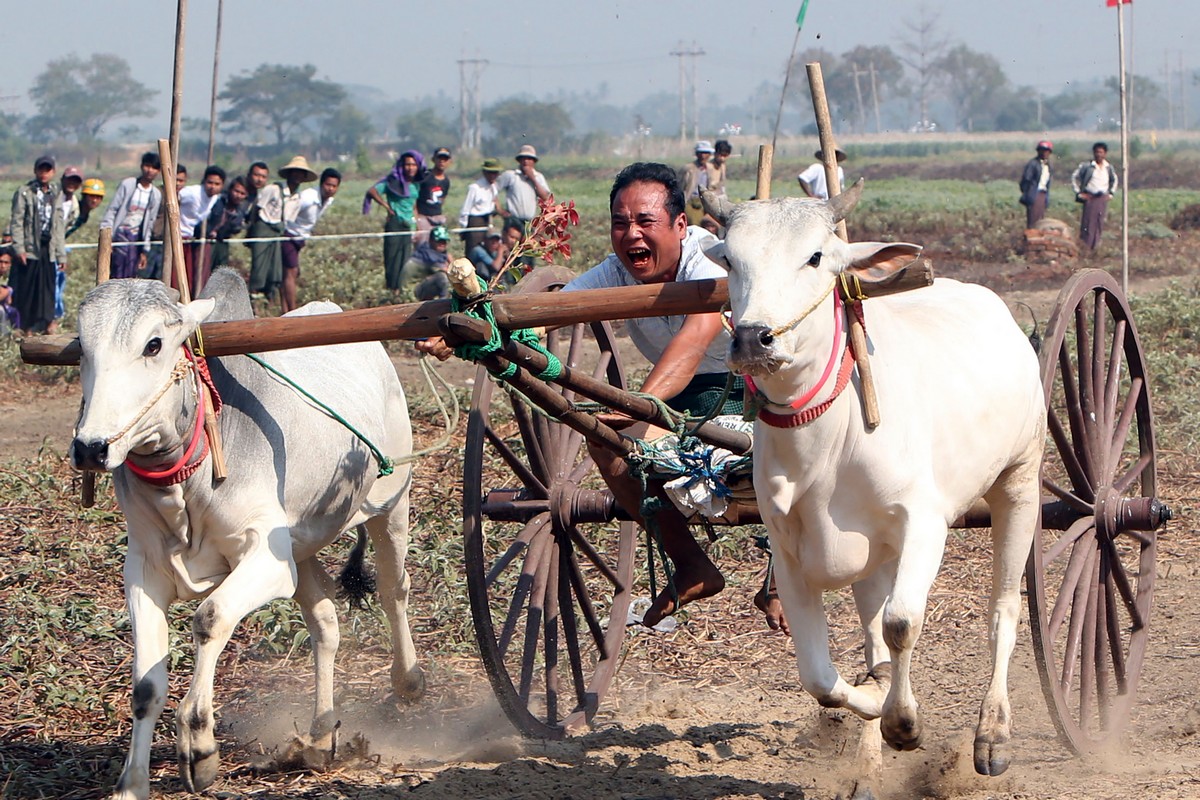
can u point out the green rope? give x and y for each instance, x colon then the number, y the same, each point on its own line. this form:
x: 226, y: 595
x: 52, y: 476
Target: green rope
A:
x: 481, y: 308
x: 650, y: 506
x: 386, y: 466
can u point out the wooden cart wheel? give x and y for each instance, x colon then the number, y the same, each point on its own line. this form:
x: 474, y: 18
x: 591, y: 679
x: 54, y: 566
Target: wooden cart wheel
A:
x: 1090, y: 576
x: 549, y: 570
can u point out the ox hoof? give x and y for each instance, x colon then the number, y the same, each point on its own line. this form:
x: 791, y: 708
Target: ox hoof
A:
x: 991, y: 758
x: 902, y: 732
x: 199, y: 770
x: 409, y: 686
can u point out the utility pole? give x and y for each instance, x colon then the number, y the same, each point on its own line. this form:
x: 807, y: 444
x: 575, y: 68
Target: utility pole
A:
x: 1167, y: 73
x: 1183, y: 111
x: 862, y: 116
x: 470, y: 70
x: 875, y: 99
x: 212, y: 107
x: 686, y: 76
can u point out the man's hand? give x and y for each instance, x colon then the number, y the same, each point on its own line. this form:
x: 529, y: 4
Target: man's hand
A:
x: 435, y: 346
x: 21, y: 257
x: 141, y: 260
x: 528, y: 170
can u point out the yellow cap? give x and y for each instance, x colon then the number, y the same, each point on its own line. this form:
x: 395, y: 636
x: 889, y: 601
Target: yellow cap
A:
x: 93, y: 186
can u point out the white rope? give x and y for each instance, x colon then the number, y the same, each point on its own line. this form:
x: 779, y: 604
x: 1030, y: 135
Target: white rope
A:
x: 368, y: 235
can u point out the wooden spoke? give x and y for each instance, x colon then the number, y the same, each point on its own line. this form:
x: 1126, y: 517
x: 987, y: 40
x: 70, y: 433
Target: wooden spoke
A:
x: 1121, y: 431
x: 1070, y: 458
x: 1078, y: 528
x: 1071, y: 582
x: 530, y: 481
x: 531, y: 529
x: 1068, y: 497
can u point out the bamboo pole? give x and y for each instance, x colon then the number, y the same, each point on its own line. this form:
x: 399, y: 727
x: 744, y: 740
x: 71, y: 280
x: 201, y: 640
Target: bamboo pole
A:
x: 174, y: 239
x: 766, y: 155
x: 858, y: 336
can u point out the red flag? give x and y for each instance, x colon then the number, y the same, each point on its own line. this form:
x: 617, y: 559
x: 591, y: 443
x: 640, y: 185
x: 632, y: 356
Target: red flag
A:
x: 1113, y: 3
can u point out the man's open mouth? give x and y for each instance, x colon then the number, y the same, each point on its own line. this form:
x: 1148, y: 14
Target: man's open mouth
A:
x: 638, y: 256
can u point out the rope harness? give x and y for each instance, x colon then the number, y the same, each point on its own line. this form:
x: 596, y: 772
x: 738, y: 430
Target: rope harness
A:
x: 185, y: 467
x: 480, y: 307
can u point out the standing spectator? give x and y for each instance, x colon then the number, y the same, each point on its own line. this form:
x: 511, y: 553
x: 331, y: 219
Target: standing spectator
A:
x: 154, y: 261
x: 309, y: 206
x: 266, y: 222
x: 722, y: 150
x: 70, y: 182
x: 435, y: 186
x: 479, y: 204
x: 10, y: 318
x: 812, y: 180
x: 696, y: 177
x: 523, y: 187
x: 1094, y: 183
x: 226, y: 220
x: 1035, y: 184
x: 92, y: 194
x: 195, y: 204
x: 397, y: 193
x: 131, y: 216
x: 37, y: 233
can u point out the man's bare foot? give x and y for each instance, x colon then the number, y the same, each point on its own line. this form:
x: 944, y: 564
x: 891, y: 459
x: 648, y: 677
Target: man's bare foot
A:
x: 767, y: 601
x: 692, y: 584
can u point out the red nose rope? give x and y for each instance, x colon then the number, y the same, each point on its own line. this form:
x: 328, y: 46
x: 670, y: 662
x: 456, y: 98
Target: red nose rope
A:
x: 800, y: 415
x: 184, y: 468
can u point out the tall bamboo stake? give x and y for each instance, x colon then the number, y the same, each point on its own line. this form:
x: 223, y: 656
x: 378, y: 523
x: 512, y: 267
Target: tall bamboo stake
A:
x: 858, y: 336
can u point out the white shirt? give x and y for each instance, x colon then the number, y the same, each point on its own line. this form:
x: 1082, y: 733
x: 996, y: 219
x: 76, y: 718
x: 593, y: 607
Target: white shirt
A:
x: 480, y: 200
x: 194, y: 205
x: 310, y: 210
x: 814, y: 176
x: 651, y: 335
x: 1098, y: 183
x: 1044, y: 178
x: 270, y: 203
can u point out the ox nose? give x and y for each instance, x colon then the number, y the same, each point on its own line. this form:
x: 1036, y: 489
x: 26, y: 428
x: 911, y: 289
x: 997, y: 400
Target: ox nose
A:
x: 89, y: 455
x: 750, y: 341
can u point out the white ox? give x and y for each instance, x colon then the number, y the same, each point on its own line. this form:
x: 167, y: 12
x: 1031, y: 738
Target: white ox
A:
x: 962, y: 414
x: 297, y: 480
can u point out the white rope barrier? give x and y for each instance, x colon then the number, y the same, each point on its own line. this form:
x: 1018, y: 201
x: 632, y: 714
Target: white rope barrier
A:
x: 249, y: 240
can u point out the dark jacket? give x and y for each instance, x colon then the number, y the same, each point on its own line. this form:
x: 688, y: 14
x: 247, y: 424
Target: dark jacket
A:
x: 27, y: 227
x: 1029, y: 181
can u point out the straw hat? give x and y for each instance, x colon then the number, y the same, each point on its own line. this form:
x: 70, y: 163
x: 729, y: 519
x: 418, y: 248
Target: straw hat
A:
x: 838, y: 153
x: 527, y: 151
x: 299, y: 164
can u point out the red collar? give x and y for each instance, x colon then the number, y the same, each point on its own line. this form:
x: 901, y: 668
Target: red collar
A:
x: 799, y: 415
x: 185, y: 467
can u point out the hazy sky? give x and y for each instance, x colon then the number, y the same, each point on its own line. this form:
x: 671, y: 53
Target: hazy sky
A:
x: 411, y: 48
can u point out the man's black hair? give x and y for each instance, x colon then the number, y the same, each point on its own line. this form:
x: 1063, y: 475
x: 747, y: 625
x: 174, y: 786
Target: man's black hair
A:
x: 723, y: 146
x: 180, y: 169
x: 237, y: 180
x: 151, y: 159
x: 1100, y: 144
x: 518, y: 226
x: 213, y: 169
x: 330, y: 172
x: 651, y: 172
x: 259, y: 165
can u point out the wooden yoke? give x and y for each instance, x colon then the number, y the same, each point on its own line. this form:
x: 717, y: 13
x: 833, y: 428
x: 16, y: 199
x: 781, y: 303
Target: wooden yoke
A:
x: 858, y: 335
x: 174, y: 240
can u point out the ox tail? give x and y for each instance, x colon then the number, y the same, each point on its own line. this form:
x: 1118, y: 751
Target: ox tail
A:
x: 1035, y: 338
x: 357, y: 581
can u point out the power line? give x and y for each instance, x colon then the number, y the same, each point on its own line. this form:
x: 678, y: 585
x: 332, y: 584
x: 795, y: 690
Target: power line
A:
x: 470, y: 70
x: 688, y: 77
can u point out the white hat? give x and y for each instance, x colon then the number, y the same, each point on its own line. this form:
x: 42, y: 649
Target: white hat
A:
x: 704, y: 146
x: 527, y: 151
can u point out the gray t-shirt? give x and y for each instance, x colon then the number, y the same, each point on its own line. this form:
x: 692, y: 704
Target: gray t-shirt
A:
x: 651, y: 335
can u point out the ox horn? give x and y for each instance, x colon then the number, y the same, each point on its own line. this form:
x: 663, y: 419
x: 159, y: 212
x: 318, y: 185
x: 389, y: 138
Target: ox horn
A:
x: 716, y: 206
x: 844, y: 203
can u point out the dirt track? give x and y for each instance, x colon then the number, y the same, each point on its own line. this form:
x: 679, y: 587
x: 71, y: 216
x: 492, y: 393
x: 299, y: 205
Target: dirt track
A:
x: 713, y: 709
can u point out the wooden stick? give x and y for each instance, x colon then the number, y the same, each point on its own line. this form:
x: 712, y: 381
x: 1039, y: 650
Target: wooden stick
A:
x: 87, y: 488
x: 858, y: 336
x: 766, y: 154
x: 173, y: 238
x: 420, y: 320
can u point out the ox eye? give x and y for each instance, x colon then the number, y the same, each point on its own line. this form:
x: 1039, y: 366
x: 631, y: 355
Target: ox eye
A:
x: 815, y: 261
x: 153, y: 347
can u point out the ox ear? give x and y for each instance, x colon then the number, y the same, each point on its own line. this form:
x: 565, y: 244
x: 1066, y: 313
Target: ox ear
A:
x: 716, y: 253
x: 874, y: 261
x: 196, y: 312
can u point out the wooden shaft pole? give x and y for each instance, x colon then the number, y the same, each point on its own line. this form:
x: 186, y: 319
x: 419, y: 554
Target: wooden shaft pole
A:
x: 177, y: 83
x: 858, y: 336
x: 420, y: 320
x: 766, y: 154
x: 87, y: 487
